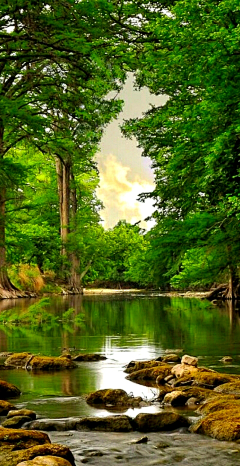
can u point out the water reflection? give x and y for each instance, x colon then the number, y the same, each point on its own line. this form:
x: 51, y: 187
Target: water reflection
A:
x: 123, y: 328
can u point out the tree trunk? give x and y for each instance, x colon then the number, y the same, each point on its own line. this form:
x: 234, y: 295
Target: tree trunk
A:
x: 63, y: 182
x: 67, y: 209
x: 7, y: 289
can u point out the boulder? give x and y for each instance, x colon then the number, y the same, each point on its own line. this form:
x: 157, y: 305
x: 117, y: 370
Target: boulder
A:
x: 183, y: 370
x: 22, y: 412
x: 218, y: 403
x: 150, y: 374
x: 189, y: 360
x: 8, y: 390
x: 223, y: 424
x: 146, y: 422
x: 118, y: 423
x: 22, y: 438
x: 201, y: 377
x: 45, y: 461
x: 113, y: 397
x: 10, y: 456
x: 5, y: 407
x: 29, y: 361
x: 134, y: 366
x: 53, y: 425
x: 231, y: 388
x: 15, y: 422
x: 176, y: 398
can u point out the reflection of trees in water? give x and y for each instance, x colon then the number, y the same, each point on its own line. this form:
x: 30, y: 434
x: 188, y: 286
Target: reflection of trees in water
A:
x: 165, y: 322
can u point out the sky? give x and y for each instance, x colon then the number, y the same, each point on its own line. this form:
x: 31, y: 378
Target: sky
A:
x: 124, y: 173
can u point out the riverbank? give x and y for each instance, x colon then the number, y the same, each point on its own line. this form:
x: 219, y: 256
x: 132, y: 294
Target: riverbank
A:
x: 171, y: 294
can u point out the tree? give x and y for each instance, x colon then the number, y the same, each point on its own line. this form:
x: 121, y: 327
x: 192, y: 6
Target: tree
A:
x: 45, y: 68
x: 193, y: 140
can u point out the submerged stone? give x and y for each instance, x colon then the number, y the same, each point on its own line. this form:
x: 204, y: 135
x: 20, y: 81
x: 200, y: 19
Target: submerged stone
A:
x: 89, y: 357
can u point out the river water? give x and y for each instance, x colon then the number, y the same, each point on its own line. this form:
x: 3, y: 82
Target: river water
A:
x: 123, y: 327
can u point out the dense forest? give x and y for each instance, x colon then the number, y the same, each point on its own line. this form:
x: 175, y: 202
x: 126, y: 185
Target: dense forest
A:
x: 62, y: 65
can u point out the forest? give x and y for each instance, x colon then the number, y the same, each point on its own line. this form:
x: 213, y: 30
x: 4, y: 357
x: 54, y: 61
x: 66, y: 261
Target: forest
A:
x: 62, y: 66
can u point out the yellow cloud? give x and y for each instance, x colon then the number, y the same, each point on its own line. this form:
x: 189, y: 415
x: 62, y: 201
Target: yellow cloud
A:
x: 119, y: 194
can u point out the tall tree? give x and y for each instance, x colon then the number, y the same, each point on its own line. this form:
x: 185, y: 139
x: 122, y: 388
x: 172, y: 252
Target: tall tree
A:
x: 193, y: 140
x: 50, y: 53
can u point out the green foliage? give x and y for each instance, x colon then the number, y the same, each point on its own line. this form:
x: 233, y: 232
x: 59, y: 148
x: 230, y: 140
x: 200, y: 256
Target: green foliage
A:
x: 193, y: 139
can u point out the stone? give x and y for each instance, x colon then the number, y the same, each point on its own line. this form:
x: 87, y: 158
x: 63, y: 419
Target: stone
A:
x: 140, y: 440
x: 22, y: 412
x: 150, y: 374
x: 226, y: 359
x: 183, y: 370
x: 45, y: 461
x: 200, y: 376
x: 189, y: 360
x: 28, y: 361
x: 176, y: 398
x: 5, y: 407
x: 171, y: 358
x: 231, y: 388
x: 223, y: 424
x: 134, y: 366
x: 16, y: 421
x: 118, y: 423
x: 217, y: 403
x: 22, y: 438
x: 8, y: 390
x: 89, y: 357
x: 10, y: 456
x: 146, y: 422
x: 114, y: 397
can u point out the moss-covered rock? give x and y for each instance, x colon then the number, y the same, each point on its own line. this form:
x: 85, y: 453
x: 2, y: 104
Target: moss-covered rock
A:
x: 231, y: 388
x: 171, y: 357
x: 135, y: 366
x: 9, y: 456
x: 222, y: 424
x: 45, y: 461
x: 203, y: 378
x: 21, y: 438
x: 29, y: 361
x: 16, y: 421
x: 5, y: 407
x: 89, y: 357
x: 8, y: 390
x: 113, y: 397
x: 22, y: 412
x: 217, y: 403
x: 150, y: 374
x: 146, y: 422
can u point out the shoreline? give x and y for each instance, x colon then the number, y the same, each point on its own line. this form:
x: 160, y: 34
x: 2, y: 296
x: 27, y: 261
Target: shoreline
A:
x: 170, y: 294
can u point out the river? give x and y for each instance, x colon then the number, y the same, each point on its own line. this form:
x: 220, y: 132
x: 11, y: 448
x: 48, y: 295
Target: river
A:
x: 123, y: 327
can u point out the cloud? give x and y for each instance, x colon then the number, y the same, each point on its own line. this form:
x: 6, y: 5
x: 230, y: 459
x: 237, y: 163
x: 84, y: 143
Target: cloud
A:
x: 119, y: 194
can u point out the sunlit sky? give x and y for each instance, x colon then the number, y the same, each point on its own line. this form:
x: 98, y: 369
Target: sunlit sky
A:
x: 124, y: 173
